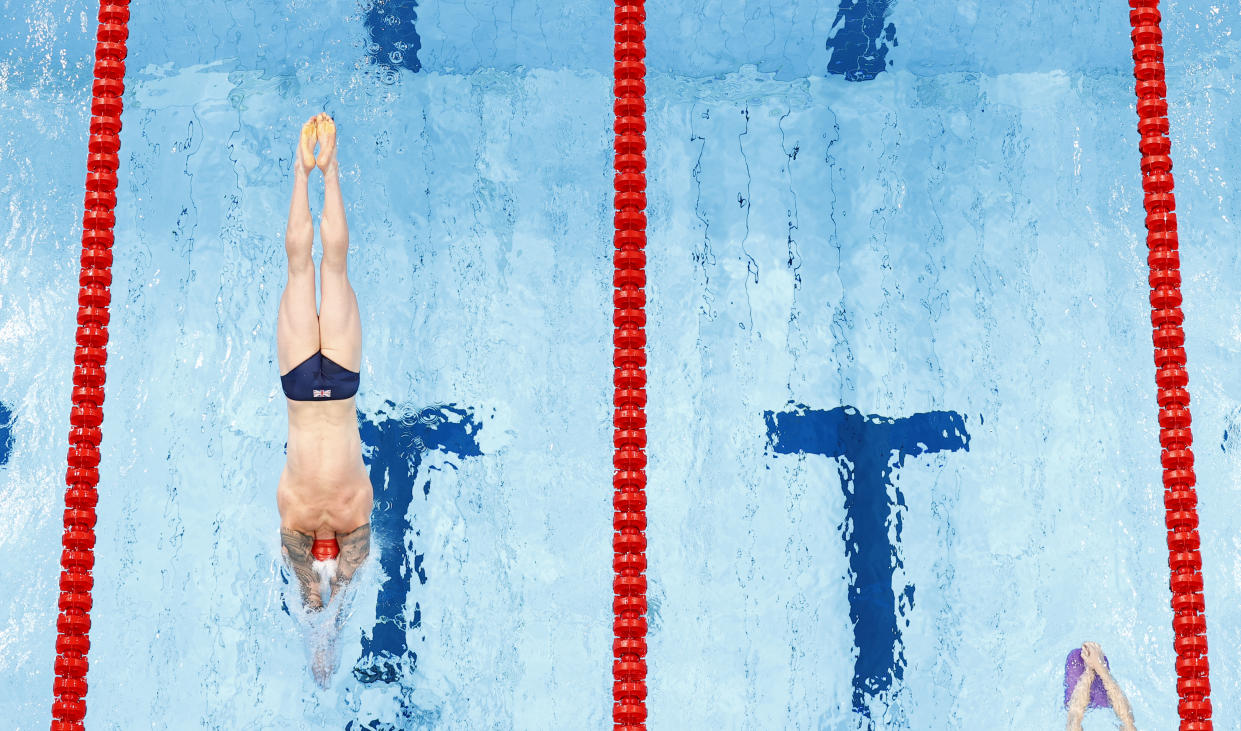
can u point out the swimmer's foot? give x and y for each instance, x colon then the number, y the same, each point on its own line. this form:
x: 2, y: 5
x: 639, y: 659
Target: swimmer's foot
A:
x: 306, y: 146
x: 326, y: 128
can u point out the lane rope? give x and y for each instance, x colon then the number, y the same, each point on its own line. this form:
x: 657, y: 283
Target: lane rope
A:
x: 629, y: 359
x: 629, y: 377
x: 1180, y: 498
x: 90, y: 357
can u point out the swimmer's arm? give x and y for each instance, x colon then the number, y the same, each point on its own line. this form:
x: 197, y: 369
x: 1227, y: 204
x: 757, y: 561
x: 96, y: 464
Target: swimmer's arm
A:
x: 355, y: 546
x: 1092, y: 656
x: 1115, y: 696
x: 297, y: 554
x: 1079, y: 700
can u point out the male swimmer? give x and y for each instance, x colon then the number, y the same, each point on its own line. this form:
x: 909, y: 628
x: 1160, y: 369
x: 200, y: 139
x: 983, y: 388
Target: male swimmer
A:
x: 324, y: 496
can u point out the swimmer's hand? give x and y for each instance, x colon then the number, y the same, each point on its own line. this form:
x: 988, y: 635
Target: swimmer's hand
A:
x: 1092, y: 656
x: 323, y: 663
x: 296, y: 550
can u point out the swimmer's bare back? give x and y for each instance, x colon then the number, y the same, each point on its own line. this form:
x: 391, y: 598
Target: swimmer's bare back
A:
x: 324, y: 492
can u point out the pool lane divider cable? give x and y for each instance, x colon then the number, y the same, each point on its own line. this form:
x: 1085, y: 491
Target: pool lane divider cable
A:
x: 629, y: 375
x: 90, y: 357
x: 1180, y: 498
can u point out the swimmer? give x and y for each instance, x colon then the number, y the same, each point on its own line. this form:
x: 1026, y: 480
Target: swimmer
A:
x: 324, y: 495
x: 1095, y: 664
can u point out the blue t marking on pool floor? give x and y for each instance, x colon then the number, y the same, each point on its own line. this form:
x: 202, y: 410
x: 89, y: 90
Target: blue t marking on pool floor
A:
x: 867, y: 450
x: 394, y: 38
x: 861, y: 42
x: 394, y: 449
x: 6, y: 433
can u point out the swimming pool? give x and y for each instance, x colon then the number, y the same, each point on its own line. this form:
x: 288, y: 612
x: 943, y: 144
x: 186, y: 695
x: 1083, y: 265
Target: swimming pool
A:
x: 928, y: 213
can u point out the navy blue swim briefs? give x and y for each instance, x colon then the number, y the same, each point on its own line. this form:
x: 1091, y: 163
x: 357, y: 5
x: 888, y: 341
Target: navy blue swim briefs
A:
x: 319, y: 378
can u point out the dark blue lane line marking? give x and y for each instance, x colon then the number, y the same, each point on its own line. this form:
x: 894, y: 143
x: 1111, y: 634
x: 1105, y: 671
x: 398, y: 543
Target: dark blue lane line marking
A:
x: 394, y: 446
x: 867, y: 449
x: 395, y: 43
x: 860, y: 45
x: 6, y: 433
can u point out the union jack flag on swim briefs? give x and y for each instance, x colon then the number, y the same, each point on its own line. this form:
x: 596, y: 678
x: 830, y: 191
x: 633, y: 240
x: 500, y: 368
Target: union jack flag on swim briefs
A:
x: 322, y: 392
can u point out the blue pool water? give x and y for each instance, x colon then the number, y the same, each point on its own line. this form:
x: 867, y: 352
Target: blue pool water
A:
x: 902, y: 422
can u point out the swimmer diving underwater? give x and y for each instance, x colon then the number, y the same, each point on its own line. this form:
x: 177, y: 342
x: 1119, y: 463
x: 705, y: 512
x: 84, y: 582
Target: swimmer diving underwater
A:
x: 324, y: 495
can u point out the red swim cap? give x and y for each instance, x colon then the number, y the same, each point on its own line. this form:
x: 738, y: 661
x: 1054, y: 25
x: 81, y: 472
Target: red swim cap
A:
x: 322, y: 550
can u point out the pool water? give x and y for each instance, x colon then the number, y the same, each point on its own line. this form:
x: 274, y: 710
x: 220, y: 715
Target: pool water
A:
x: 903, y: 445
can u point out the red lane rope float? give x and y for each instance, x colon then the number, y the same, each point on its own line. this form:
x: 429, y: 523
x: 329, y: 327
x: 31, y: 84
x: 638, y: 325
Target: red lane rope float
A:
x: 89, y: 358
x: 629, y: 378
x: 1175, y: 437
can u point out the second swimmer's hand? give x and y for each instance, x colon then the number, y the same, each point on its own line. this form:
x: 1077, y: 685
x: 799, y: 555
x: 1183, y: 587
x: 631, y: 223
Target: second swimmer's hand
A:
x: 1092, y: 655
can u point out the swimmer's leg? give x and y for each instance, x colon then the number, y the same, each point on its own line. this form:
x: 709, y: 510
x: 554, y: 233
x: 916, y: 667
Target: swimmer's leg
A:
x: 296, y: 550
x: 340, y: 327
x: 297, y: 325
